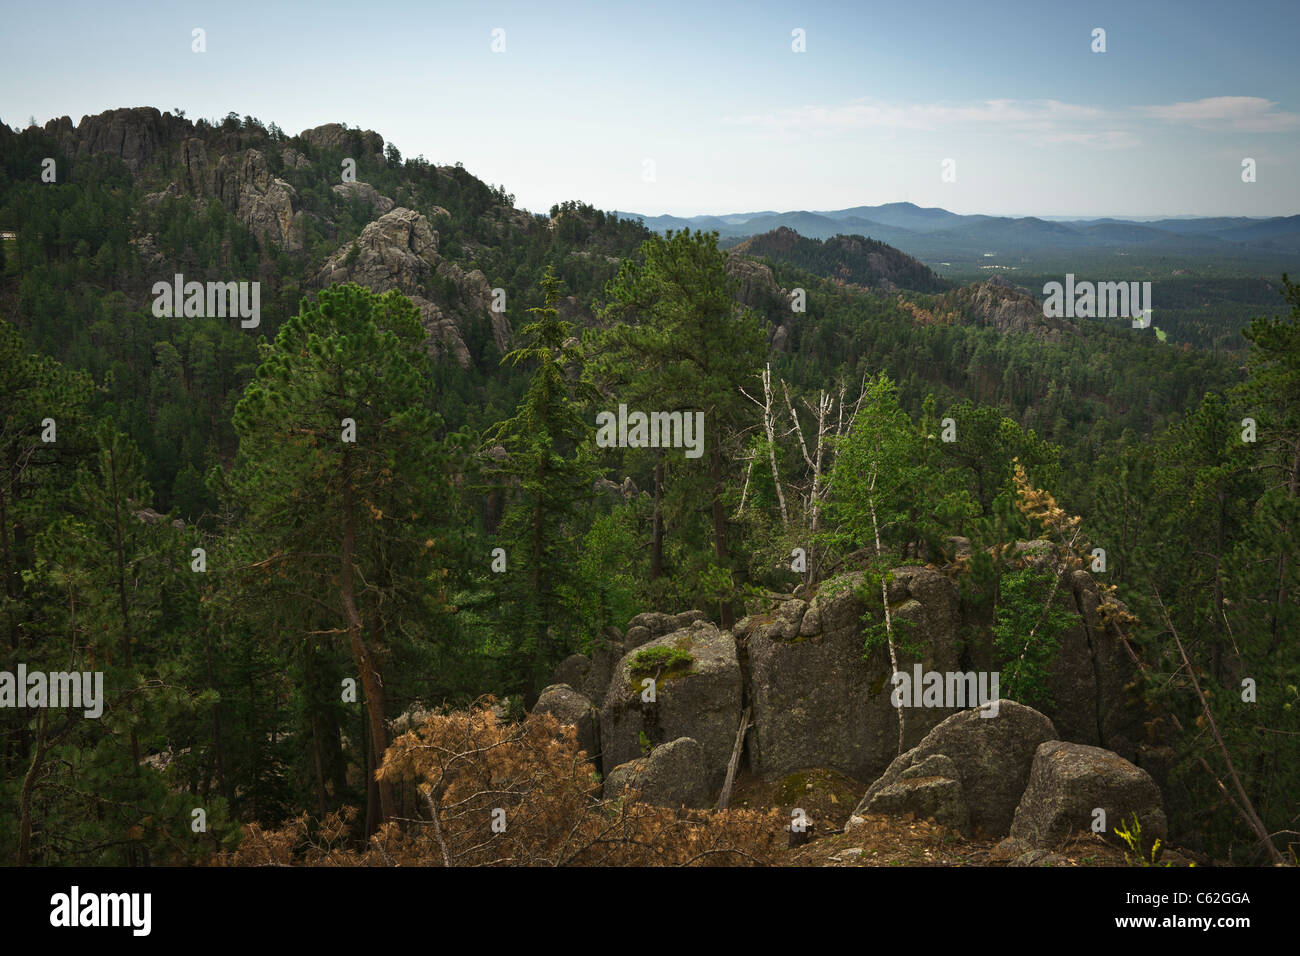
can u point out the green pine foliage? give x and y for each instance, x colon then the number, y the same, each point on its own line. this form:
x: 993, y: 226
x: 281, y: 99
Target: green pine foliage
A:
x: 546, y: 474
x: 1027, y: 634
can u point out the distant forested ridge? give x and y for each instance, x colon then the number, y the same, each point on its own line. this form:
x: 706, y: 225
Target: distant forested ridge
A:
x: 853, y: 260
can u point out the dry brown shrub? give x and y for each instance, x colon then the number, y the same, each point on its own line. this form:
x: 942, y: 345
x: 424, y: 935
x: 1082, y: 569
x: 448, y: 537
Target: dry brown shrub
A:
x: 470, y: 767
x: 1039, y: 506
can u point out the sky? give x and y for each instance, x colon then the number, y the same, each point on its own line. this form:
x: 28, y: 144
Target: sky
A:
x: 688, y: 108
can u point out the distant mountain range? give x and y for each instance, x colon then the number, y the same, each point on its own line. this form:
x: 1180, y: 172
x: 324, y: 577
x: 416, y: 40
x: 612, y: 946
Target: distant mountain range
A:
x: 931, y: 233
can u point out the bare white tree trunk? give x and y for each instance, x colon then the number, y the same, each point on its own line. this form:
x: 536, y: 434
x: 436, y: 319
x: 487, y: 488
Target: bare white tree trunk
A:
x: 824, y: 404
x: 803, y: 448
x: 770, y: 429
x: 813, y: 501
x: 749, y: 470
x: 818, y: 462
x: 884, y: 600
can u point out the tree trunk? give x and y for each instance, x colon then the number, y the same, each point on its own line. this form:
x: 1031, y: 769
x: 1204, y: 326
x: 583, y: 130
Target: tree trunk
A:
x: 16, y: 747
x: 372, y: 786
x: 539, y: 592
x: 120, y: 547
x: 719, y: 519
x: 368, y: 666
x: 11, y: 576
x: 769, y: 427
x: 216, y: 719
x: 889, y: 619
x: 315, y: 737
x: 336, y: 760
x: 29, y: 783
x: 657, y: 539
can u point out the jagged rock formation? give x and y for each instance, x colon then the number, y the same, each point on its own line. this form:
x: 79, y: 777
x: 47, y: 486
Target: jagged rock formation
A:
x: 817, y: 703
x: 475, y: 295
x: 757, y: 290
x: 1004, y: 283
x: 1000, y: 305
x: 757, y: 285
x: 982, y: 777
x: 399, y: 250
x: 648, y: 626
x: 367, y: 194
x: 293, y: 159
x: 229, y: 164
x: 216, y: 166
x: 246, y: 187
x: 336, y: 136
x: 1092, y: 679
x: 134, y: 135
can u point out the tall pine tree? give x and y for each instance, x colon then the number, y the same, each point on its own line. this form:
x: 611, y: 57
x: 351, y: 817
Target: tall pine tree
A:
x: 341, y: 487
x: 678, y: 341
x: 548, y: 471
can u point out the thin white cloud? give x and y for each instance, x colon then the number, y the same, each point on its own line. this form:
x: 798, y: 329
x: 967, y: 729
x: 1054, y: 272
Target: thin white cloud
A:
x: 1244, y: 114
x: 1047, y: 120
x: 1102, y: 139
x: 863, y: 114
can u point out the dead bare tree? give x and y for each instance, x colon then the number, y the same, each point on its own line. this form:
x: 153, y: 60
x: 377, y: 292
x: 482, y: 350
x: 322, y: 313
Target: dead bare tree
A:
x: 817, y: 462
x: 769, y: 427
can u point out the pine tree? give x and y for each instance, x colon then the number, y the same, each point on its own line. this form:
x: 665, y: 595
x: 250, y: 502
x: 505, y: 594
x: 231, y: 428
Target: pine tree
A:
x: 125, y: 608
x: 548, y: 462
x: 341, y: 485
x: 1206, y: 489
x: 1272, y: 394
x: 39, y: 399
x: 678, y: 342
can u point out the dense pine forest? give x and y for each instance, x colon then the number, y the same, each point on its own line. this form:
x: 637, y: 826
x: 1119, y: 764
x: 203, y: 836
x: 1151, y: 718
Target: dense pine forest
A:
x: 281, y: 542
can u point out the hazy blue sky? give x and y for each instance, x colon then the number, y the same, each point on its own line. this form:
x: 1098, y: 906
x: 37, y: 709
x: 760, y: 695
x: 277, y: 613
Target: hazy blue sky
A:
x: 713, y: 94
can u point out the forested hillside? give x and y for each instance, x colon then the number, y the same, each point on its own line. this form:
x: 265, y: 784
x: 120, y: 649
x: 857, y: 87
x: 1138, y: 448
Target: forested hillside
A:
x: 390, y: 490
x: 852, y: 260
